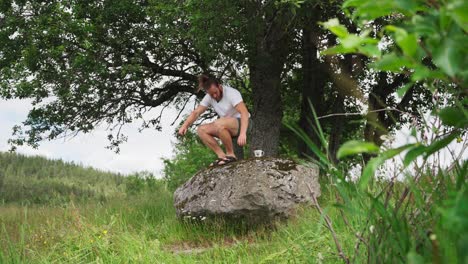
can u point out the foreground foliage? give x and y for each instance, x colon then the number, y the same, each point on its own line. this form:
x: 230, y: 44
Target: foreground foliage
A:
x: 423, y: 218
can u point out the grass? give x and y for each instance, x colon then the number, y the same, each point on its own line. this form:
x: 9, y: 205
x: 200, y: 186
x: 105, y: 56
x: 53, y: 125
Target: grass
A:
x: 144, y: 229
x: 55, y: 212
x: 136, y: 223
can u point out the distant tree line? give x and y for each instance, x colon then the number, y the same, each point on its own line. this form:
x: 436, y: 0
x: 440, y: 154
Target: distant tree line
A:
x: 37, y: 180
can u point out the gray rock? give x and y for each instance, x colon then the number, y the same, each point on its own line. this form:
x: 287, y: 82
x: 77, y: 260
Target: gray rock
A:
x: 256, y: 189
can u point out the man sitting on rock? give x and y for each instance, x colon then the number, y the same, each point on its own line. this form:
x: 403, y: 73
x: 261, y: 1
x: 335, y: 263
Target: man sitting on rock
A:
x: 233, y: 118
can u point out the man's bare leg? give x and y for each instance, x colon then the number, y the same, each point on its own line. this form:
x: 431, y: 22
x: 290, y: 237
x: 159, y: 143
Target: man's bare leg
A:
x: 227, y: 128
x: 206, y: 134
x: 225, y: 136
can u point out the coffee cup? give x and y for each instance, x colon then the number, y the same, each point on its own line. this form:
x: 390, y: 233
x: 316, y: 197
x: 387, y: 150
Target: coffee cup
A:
x: 258, y: 153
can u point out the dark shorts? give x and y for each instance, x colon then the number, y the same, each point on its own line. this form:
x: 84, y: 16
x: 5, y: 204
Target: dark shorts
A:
x: 249, y: 127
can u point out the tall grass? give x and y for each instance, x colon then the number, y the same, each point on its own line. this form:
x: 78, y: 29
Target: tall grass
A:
x: 143, y: 228
x: 420, y: 219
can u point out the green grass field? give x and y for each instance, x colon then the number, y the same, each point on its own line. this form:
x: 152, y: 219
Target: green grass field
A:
x: 55, y: 212
x: 133, y: 221
x: 144, y: 229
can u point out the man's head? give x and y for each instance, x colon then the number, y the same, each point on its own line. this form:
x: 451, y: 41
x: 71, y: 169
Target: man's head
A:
x: 211, y: 86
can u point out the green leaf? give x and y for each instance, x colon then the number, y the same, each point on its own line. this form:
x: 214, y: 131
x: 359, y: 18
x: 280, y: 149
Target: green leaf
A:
x: 424, y: 25
x: 354, y: 3
x: 402, y: 91
x: 371, y: 9
x: 448, y: 57
x: 409, y: 7
x: 421, y: 72
x: 339, y: 49
x: 374, y: 164
x: 335, y: 27
x: 351, y: 41
x: 407, y: 42
x: 354, y: 147
x: 453, y: 116
x: 439, y: 144
x: 413, y: 154
x: 370, y: 50
x: 458, y: 11
x: 391, y: 62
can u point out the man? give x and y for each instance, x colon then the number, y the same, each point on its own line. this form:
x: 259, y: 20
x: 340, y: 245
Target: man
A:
x: 233, y: 119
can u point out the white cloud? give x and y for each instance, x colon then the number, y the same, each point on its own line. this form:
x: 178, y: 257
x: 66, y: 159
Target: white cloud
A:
x: 142, y: 151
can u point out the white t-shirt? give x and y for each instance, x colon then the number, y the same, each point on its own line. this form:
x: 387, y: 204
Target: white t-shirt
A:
x: 226, y: 106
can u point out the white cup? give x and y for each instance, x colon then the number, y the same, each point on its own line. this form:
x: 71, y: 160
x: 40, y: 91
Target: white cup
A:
x: 258, y: 153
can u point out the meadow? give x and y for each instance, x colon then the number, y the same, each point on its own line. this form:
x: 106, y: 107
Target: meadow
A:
x: 90, y: 216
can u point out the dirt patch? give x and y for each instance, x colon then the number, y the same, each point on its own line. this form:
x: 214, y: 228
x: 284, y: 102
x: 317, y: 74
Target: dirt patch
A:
x: 198, y: 247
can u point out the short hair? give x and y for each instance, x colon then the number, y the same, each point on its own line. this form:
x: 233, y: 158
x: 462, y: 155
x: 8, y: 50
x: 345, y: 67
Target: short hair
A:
x: 205, y: 81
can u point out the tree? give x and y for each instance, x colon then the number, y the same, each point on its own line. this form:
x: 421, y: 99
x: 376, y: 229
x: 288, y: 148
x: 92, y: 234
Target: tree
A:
x: 90, y: 62
x: 86, y: 63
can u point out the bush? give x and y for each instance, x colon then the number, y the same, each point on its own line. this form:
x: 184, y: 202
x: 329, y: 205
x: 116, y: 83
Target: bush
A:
x: 190, y: 156
x: 142, y: 182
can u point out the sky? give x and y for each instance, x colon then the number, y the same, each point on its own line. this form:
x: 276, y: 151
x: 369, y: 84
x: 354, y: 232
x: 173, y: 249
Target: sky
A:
x: 142, y: 152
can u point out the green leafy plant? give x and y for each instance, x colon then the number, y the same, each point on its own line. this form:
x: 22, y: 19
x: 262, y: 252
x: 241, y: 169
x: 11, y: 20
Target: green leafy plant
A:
x: 423, y: 217
x: 190, y: 156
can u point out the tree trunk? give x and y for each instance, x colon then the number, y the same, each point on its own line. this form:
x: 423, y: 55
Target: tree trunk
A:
x: 267, y: 56
x: 338, y: 124
x: 268, y: 112
x: 238, y: 150
x: 314, y: 81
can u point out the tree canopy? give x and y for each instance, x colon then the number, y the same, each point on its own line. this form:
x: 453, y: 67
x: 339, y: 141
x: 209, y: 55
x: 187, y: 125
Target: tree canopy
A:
x: 86, y: 63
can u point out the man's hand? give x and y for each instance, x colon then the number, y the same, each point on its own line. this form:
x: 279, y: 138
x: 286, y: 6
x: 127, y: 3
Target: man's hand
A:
x: 192, y: 117
x: 182, y: 130
x: 242, y: 139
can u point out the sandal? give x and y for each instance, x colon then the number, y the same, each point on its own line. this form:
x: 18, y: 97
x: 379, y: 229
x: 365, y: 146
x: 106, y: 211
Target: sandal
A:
x: 226, y: 160
x: 214, y: 163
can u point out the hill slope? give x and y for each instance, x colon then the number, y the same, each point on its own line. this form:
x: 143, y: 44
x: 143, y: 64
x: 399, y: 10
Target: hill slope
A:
x: 35, y: 179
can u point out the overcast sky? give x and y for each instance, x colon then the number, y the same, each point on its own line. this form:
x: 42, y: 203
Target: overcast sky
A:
x: 142, y: 151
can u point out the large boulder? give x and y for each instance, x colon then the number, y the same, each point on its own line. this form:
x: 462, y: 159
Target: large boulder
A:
x: 256, y: 189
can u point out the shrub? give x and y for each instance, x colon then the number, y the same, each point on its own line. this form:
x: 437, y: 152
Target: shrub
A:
x: 190, y: 156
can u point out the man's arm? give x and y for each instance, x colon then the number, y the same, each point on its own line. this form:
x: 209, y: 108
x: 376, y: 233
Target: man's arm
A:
x: 242, y: 137
x: 192, y: 117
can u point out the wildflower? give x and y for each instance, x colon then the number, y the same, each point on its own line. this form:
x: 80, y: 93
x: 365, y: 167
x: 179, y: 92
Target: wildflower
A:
x: 104, y: 232
x: 371, y: 229
x: 203, y: 218
x: 433, y: 237
x: 319, y: 256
